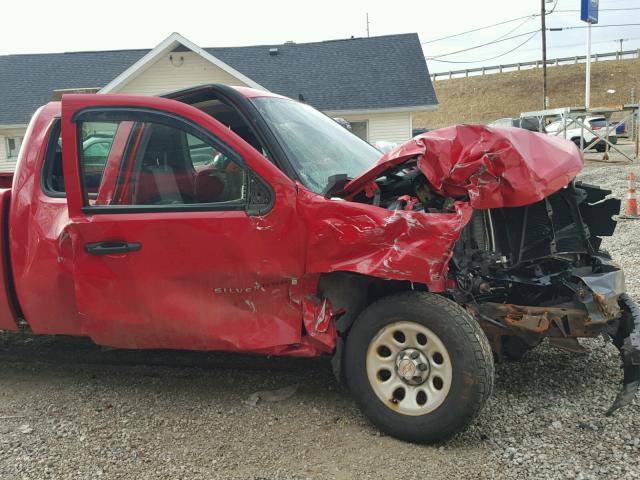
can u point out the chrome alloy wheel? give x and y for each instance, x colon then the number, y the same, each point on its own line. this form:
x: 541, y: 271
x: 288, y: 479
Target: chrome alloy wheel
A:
x: 409, y: 368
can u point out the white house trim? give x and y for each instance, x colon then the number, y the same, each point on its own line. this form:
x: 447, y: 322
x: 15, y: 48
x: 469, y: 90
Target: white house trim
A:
x: 371, y: 111
x: 166, y: 46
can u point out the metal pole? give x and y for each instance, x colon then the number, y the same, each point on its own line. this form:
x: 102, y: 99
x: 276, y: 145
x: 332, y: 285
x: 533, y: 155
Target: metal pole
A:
x: 367, y: 24
x: 543, y: 27
x: 637, y: 131
x: 587, y: 91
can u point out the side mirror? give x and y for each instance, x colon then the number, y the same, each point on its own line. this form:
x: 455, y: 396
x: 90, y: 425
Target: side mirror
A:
x: 260, y: 198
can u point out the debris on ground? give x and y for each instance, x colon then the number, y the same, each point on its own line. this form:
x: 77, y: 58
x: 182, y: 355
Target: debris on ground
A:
x: 272, y: 395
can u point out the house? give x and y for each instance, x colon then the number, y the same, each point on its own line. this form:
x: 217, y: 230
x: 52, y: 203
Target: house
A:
x: 376, y: 83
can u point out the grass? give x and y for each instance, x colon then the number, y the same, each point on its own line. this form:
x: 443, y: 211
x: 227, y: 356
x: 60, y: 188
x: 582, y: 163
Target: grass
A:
x: 481, y: 99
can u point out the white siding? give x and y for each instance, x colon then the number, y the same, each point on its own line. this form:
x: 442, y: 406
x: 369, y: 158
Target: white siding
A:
x: 5, y: 164
x: 187, y: 69
x: 388, y: 127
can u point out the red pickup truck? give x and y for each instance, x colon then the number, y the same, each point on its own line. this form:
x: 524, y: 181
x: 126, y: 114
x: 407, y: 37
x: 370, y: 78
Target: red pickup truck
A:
x: 232, y: 219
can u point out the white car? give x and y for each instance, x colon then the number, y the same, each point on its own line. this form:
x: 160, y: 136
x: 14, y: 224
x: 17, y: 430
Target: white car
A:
x: 385, y: 146
x: 574, y: 131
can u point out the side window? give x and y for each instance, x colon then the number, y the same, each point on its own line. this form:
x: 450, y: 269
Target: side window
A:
x: 96, y: 140
x: 131, y: 163
x: 202, y: 154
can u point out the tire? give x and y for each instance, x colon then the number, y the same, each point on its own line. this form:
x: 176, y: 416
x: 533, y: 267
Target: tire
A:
x: 465, y: 366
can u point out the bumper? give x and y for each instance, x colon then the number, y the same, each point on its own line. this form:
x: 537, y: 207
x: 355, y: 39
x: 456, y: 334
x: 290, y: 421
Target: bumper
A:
x: 596, y: 304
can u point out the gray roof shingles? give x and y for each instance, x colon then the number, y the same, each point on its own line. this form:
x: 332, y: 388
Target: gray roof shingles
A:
x: 28, y: 81
x: 360, y: 73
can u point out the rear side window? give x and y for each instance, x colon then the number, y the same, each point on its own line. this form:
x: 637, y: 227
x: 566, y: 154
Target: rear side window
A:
x: 52, y: 175
x: 96, y: 137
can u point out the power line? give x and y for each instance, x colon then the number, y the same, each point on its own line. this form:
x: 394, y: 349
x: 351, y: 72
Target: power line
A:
x: 514, y: 29
x: 480, y: 28
x: 500, y: 39
x: 435, y: 59
x: 557, y: 29
x: 482, y: 45
x: 526, y: 17
x: 553, y: 9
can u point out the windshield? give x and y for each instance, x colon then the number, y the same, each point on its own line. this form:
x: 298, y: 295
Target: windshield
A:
x: 317, y: 146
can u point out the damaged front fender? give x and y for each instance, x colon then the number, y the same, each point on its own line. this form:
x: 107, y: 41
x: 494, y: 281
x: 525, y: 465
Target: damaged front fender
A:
x: 370, y: 240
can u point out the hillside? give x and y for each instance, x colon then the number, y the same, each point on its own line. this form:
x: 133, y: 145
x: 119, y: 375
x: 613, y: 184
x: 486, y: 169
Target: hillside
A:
x: 481, y: 99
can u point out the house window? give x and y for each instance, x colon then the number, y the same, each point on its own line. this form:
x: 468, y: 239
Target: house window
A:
x: 359, y: 129
x: 13, y: 147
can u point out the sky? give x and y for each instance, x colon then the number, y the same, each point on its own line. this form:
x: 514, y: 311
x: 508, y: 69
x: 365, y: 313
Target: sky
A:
x: 43, y: 26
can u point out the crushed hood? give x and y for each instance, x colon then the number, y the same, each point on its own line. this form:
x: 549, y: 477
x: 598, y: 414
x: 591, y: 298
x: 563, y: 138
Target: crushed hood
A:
x: 495, y: 167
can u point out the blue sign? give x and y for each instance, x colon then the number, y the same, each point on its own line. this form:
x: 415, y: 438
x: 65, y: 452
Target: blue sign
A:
x: 589, y: 11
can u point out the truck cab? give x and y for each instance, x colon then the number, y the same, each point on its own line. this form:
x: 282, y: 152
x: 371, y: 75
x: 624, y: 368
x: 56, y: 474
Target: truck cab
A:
x: 231, y: 219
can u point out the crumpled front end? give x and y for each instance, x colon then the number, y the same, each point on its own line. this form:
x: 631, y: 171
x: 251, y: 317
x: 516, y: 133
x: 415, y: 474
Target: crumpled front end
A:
x: 528, y: 262
x: 537, y: 271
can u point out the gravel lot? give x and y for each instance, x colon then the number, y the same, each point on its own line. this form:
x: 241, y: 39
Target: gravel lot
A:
x: 71, y: 411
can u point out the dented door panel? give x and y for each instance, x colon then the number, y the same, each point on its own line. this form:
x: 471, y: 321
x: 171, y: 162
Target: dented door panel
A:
x: 211, y: 279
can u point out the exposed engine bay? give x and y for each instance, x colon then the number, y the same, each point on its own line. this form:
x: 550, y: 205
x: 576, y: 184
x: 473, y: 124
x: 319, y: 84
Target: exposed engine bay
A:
x: 531, y: 271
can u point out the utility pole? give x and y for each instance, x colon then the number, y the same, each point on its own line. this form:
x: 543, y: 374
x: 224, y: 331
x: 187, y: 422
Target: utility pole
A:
x: 587, y: 88
x: 367, y: 24
x: 543, y: 28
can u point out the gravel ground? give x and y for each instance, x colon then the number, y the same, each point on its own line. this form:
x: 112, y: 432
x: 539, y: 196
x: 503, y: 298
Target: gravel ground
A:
x: 70, y: 411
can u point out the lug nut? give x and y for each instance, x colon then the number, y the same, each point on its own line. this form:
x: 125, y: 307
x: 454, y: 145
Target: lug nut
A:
x: 417, y: 378
x: 414, y: 355
x: 422, y: 367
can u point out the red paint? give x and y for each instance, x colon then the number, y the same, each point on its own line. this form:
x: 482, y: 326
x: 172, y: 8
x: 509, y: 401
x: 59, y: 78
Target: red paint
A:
x: 6, y: 179
x: 495, y: 167
x: 397, y: 245
x: 224, y: 280
x: 40, y: 249
x: 165, y: 295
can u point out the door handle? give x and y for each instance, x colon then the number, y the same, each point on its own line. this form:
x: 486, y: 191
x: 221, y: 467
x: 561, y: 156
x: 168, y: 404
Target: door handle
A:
x: 111, y: 247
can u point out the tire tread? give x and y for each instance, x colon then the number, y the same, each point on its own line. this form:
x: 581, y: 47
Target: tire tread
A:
x: 466, y: 328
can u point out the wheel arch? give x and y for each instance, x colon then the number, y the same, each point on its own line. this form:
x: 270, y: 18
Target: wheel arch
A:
x: 351, y: 293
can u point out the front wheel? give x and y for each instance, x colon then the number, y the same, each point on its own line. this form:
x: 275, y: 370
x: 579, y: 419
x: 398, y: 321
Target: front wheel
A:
x: 419, y: 366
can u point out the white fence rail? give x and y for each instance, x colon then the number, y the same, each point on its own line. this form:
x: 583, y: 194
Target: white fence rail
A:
x: 626, y: 54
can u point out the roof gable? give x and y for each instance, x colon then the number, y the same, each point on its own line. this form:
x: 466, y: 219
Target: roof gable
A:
x: 173, y: 41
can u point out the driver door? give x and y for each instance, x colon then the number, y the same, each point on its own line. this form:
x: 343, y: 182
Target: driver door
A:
x: 184, y: 236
